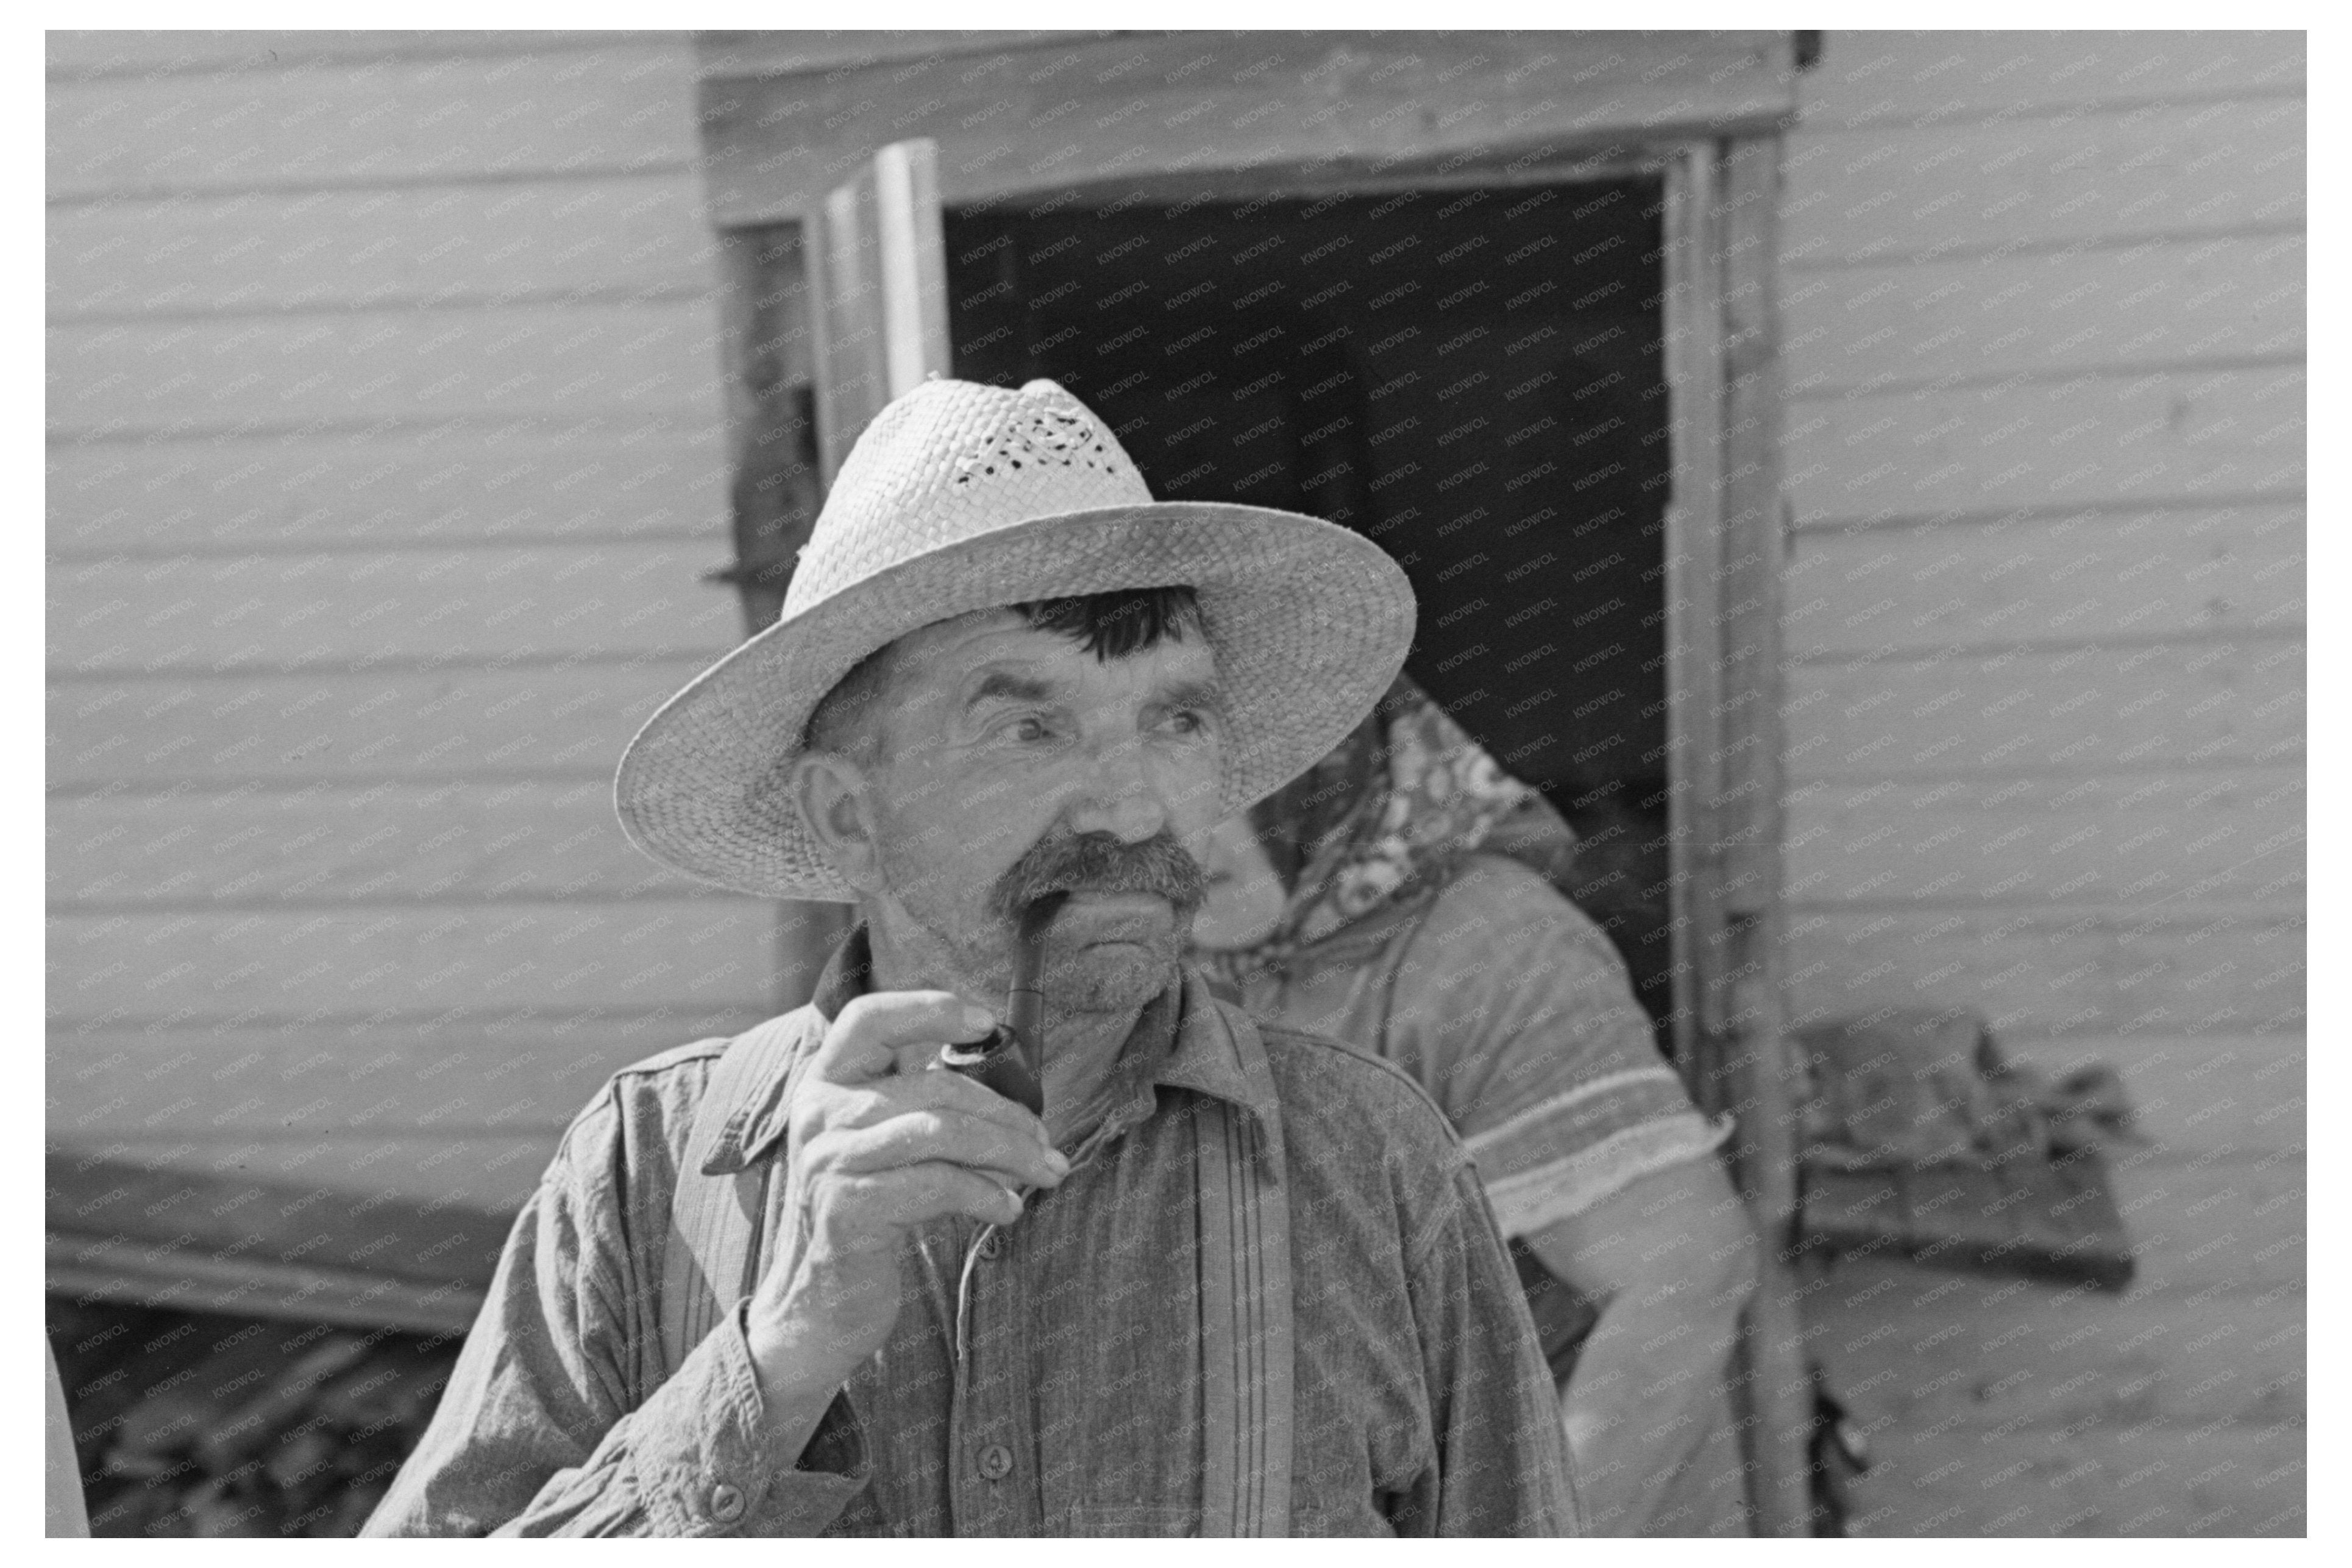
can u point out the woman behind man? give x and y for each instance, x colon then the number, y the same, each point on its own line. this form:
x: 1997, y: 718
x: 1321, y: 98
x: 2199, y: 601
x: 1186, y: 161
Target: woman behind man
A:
x: 1366, y: 900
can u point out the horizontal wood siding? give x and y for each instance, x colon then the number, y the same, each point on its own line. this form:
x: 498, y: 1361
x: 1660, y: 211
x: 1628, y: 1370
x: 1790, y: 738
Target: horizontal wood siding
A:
x: 2045, y: 614
x: 385, y: 460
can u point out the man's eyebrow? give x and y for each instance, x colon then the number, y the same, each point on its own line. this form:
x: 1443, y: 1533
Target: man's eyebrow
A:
x: 1011, y: 687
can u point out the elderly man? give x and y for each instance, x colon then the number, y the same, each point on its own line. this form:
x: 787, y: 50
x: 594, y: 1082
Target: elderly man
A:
x: 1238, y: 1281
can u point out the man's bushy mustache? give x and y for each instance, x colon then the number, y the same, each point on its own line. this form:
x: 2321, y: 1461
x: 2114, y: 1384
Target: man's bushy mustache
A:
x: 1101, y: 863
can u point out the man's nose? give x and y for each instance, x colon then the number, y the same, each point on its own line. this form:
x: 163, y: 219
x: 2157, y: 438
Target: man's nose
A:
x: 1119, y: 796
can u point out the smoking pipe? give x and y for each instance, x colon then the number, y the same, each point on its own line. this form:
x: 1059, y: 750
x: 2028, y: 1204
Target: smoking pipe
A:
x: 1009, y: 1060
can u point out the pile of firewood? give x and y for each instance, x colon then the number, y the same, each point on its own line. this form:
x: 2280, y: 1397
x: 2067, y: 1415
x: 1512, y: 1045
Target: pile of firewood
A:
x: 192, y: 1423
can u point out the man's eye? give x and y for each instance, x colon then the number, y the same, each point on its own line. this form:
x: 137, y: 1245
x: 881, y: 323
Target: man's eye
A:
x: 1028, y: 729
x: 1191, y: 721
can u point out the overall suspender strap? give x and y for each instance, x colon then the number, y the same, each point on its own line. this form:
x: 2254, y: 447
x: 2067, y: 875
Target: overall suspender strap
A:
x: 1245, y: 1345
x: 716, y: 1221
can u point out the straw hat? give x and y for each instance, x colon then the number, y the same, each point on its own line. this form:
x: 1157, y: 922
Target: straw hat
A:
x: 960, y: 498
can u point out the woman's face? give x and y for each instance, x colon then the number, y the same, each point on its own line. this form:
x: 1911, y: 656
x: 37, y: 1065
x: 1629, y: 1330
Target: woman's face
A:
x: 1245, y: 898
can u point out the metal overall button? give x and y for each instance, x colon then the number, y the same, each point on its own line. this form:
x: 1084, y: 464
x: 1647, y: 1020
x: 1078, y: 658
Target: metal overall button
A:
x: 996, y: 1461
x: 991, y: 1244
x: 726, y: 1503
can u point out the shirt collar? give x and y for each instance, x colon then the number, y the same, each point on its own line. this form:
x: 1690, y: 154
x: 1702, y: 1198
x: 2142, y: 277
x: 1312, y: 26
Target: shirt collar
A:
x: 1185, y: 1039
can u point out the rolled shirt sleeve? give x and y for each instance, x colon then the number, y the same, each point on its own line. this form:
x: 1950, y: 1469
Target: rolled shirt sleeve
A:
x: 1511, y: 1008
x: 559, y: 1420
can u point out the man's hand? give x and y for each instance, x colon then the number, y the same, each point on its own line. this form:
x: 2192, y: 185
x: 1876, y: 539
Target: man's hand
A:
x: 879, y: 1144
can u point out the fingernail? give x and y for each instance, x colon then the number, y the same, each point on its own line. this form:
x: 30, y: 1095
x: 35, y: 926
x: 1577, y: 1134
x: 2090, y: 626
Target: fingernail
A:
x: 1059, y: 1161
x: 978, y: 1017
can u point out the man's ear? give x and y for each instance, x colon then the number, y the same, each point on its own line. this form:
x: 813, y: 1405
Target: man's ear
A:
x: 832, y: 795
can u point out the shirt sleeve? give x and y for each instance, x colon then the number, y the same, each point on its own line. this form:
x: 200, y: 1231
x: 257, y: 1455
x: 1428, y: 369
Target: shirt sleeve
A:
x: 539, y: 1433
x: 1512, y: 1009
x: 1504, y: 1467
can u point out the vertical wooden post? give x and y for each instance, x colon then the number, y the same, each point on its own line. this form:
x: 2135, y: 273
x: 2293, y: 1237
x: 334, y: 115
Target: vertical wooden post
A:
x: 1724, y: 548
x: 877, y: 309
x: 880, y: 251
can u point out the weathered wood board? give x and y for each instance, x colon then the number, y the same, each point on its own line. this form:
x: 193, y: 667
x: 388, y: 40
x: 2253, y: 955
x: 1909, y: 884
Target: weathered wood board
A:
x: 563, y: 720
x: 2086, y: 575
x: 350, y: 609
x: 374, y: 120
x: 2201, y: 836
x: 425, y: 245
x: 457, y: 482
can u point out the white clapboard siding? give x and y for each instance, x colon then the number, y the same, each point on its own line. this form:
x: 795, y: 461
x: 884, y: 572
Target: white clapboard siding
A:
x: 2168, y: 702
x: 2090, y: 439
x: 688, y: 952
x: 2156, y: 305
x: 2205, y: 837
x: 567, y: 720
x: 2090, y: 179
x: 353, y: 607
x: 378, y: 121
x: 352, y: 1074
x: 594, y: 360
x: 2064, y: 972
x: 1934, y: 79
x: 456, y: 482
x: 341, y: 845
x: 387, y: 458
x: 2086, y: 575
x: 253, y: 251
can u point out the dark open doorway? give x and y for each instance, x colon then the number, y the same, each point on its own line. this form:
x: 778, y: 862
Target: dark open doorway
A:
x: 1474, y: 377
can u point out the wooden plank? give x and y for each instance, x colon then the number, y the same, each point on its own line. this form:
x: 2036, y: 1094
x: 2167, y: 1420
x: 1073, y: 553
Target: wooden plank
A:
x: 2202, y: 836
x: 2231, y: 702
x: 2221, y: 970
x: 2204, y: 1227
x: 726, y: 55
x: 1746, y: 820
x: 217, y: 614
x: 1124, y: 106
x: 1694, y: 325
x: 452, y: 483
x: 656, y: 953
x: 1933, y: 78
x: 120, y: 1205
x: 2163, y: 438
x: 878, y: 290
x: 572, y: 113
x: 428, y: 246
x: 434, y: 1071
x: 275, y: 372
x: 1889, y: 194
x: 2088, y: 574
x: 152, y: 1276
x: 489, y: 1175
x: 1979, y: 1480
x: 88, y: 55
x: 2159, y: 305
x: 568, y: 723
x: 2060, y: 973
x: 1921, y: 1357
x: 380, y: 845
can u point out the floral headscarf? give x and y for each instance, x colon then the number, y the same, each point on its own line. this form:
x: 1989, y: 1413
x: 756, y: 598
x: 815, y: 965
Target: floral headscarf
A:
x: 1386, y: 817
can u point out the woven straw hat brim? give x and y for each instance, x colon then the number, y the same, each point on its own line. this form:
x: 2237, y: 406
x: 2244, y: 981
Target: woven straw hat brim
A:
x: 1309, y: 622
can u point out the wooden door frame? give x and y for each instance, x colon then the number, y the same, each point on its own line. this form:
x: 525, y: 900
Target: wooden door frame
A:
x: 1724, y: 543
